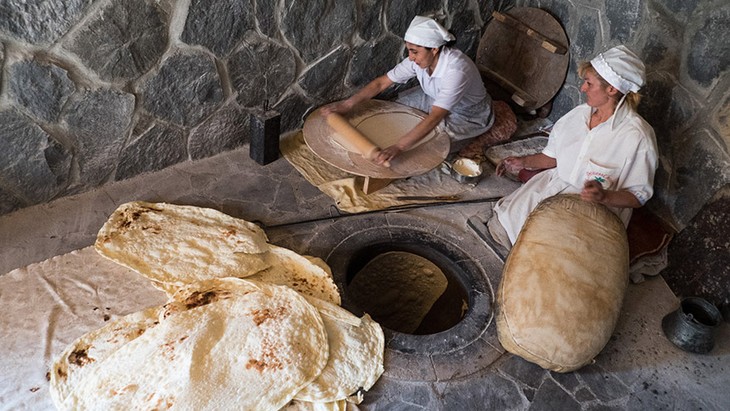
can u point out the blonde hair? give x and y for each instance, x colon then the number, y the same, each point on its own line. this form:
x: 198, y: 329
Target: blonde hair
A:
x: 632, y: 99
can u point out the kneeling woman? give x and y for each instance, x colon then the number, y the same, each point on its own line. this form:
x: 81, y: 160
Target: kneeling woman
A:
x: 602, y: 149
x: 451, y: 89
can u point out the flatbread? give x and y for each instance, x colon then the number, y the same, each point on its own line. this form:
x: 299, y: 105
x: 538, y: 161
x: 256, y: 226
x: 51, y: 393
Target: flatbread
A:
x: 307, y: 275
x: 356, y: 347
x: 298, y: 405
x: 91, y: 349
x: 173, y: 243
x: 221, y: 342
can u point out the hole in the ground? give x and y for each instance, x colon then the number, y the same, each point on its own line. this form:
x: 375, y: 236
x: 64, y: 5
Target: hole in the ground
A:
x: 408, y: 287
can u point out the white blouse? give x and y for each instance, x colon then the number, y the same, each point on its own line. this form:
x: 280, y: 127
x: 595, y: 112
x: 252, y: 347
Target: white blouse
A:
x: 620, y: 153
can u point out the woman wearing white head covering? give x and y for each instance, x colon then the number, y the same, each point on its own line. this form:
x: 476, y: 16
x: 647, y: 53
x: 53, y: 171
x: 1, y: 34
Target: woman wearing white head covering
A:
x: 601, y: 149
x: 451, y: 92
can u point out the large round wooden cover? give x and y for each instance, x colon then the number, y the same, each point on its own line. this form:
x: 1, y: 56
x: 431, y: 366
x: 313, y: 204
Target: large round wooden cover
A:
x: 382, y: 122
x: 513, y: 56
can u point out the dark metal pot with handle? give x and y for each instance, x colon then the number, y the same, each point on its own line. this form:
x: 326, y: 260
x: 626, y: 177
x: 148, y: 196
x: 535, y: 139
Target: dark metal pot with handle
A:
x: 692, y: 326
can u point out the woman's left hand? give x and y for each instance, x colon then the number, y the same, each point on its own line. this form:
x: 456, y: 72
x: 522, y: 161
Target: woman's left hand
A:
x: 593, y: 192
x: 387, y: 154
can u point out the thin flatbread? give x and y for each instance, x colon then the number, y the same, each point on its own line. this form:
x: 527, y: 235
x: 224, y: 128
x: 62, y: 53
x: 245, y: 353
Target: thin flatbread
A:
x: 356, y: 347
x: 92, y: 348
x: 230, y: 341
x: 172, y: 243
x: 303, y: 274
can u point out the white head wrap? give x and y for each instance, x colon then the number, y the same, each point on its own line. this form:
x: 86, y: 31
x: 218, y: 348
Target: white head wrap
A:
x: 426, y: 32
x: 621, y: 68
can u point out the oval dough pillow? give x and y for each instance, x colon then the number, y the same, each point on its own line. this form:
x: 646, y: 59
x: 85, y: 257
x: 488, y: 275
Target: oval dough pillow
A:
x: 563, y: 284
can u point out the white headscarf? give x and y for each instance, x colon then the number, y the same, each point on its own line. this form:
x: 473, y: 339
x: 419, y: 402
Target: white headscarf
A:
x: 426, y: 32
x: 621, y: 68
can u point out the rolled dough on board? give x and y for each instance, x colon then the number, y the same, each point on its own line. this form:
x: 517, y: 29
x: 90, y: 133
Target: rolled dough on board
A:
x: 383, y: 122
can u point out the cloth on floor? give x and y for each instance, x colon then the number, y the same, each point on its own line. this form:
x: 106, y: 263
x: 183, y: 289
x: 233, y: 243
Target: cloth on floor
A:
x: 505, y: 125
x: 648, y: 242
x: 346, y: 191
x: 47, y: 305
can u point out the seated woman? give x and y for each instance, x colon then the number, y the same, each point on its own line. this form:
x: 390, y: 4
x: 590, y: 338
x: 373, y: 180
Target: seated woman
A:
x: 451, y: 92
x: 602, y: 149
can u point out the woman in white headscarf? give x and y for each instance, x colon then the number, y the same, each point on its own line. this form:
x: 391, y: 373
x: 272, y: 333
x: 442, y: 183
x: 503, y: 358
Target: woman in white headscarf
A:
x: 601, y: 149
x: 451, y: 92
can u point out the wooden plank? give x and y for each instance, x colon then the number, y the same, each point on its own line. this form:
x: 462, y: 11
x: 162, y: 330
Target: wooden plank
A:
x: 545, y: 42
x: 519, y: 95
x: 371, y: 185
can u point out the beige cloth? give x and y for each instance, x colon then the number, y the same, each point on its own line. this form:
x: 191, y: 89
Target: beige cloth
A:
x: 47, y: 305
x: 346, y: 190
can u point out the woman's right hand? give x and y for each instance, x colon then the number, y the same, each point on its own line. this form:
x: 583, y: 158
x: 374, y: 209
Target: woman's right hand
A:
x: 341, y: 107
x: 511, y: 165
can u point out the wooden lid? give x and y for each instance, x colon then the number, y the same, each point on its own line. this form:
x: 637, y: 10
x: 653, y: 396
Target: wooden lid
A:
x: 382, y: 122
x: 525, y: 51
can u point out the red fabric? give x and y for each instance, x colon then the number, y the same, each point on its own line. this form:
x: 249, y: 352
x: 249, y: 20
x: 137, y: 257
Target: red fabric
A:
x: 524, y: 175
x: 505, y: 124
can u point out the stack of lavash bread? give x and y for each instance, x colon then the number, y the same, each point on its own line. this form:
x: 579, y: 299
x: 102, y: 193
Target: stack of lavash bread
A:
x: 248, y: 325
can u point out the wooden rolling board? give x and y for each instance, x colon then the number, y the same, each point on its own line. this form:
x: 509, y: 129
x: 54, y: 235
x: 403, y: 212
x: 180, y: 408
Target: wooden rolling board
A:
x: 383, y: 122
x: 525, y: 51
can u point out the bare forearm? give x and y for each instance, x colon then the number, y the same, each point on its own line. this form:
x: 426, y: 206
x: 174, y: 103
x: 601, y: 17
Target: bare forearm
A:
x: 513, y: 165
x: 620, y: 198
x: 371, y: 90
x: 538, y: 161
x: 422, y: 129
x: 593, y: 192
x: 412, y: 137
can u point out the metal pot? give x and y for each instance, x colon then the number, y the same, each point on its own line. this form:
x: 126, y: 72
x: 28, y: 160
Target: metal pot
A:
x: 465, y: 170
x: 692, y: 326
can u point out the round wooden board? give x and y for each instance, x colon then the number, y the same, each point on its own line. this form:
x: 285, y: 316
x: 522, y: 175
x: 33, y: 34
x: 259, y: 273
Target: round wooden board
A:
x: 520, y: 61
x: 383, y: 122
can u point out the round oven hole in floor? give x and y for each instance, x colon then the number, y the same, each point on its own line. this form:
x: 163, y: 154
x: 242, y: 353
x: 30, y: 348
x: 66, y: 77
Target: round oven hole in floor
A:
x: 408, y: 288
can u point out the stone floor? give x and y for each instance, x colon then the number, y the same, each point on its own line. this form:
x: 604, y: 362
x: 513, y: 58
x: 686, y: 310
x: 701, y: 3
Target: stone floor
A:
x: 639, y: 369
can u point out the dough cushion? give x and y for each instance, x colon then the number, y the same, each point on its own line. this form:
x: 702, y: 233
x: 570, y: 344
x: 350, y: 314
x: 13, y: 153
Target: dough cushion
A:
x: 563, y: 284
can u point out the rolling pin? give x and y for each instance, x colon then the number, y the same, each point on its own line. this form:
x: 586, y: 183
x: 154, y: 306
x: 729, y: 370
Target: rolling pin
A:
x: 349, y: 136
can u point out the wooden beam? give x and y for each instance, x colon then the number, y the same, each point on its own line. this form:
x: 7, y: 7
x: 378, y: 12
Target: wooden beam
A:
x: 545, y: 42
x: 371, y: 185
x: 519, y: 96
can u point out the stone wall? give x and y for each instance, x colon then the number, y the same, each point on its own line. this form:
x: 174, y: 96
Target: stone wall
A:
x: 95, y: 91
x: 100, y: 90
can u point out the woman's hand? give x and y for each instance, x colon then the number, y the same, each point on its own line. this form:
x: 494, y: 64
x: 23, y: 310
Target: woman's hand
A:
x: 385, y: 155
x: 593, y: 192
x: 511, y: 165
x: 341, y: 107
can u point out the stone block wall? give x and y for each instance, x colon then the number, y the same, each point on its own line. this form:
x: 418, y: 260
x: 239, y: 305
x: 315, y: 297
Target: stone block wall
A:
x: 94, y: 91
